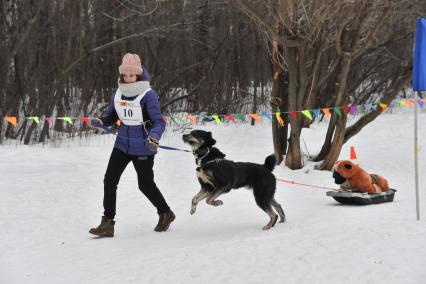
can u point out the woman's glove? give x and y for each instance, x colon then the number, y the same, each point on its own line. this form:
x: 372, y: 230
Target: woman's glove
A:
x: 152, y: 143
x: 96, y: 122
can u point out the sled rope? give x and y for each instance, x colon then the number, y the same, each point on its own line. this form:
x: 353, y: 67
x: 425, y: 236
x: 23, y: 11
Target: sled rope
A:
x: 304, y: 184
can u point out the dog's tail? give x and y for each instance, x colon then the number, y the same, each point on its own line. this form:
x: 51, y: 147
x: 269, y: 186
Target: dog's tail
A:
x: 270, y: 162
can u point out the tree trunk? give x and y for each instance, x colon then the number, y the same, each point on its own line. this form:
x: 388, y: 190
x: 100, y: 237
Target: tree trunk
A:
x: 44, y: 132
x: 27, y: 139
x: 279, y: 133
x: 339, y: 133
x: 294, y: 155
x: 336, y: 145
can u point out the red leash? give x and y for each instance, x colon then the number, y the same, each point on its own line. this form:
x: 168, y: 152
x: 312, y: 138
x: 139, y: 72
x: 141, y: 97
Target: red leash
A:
x: 304, y: 184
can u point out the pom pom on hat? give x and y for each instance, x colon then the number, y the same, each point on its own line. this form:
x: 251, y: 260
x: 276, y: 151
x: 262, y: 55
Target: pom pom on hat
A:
x: 130, y: 64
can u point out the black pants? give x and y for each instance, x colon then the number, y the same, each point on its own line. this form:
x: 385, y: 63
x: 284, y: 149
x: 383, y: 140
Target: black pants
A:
x: 143, y: 166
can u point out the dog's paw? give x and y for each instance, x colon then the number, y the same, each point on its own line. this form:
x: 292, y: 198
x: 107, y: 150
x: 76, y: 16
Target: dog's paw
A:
x: 217, y: 203
x: 192, y: 210
x: 267, y: 227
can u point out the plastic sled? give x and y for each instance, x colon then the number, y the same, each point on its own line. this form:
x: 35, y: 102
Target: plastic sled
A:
x: 361, y: 198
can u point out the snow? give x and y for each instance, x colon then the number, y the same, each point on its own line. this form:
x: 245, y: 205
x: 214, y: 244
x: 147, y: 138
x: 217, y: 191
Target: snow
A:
x: 51, y: 196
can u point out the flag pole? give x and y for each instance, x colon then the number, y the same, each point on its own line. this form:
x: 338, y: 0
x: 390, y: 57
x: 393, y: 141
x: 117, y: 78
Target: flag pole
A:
x: 416, y: 163
x: 419, y: 84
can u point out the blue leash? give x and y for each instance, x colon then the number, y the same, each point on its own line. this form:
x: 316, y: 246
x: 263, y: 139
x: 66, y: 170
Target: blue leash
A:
x: 109, y: 131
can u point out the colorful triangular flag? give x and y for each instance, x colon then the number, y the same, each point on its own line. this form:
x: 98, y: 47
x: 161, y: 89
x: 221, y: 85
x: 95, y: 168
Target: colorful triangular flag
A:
x: 11, y: 119
x: 346, y: 109
x: 316, y: 112
x: 326, y: 112
x: 35, y: 118
x: 354, y: 109
x: 231, y: 118
x: 267, y: 116
x: 337, y: 111
x: 84, y: 119
x: 217, y: 119
x: 307, y: 113
x: 255, y: 117
x: 66, y: 119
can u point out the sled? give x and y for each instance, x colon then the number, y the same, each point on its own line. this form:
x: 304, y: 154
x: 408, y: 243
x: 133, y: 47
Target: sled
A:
x: 361, y: 198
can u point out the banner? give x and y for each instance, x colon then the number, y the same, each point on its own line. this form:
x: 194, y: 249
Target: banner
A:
x: 419, y: 70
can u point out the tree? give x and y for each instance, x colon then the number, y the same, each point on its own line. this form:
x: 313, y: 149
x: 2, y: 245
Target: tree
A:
x: 320, y: 44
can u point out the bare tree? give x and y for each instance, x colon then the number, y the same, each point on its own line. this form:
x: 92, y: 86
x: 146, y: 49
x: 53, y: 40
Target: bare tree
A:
x: 321, y: 42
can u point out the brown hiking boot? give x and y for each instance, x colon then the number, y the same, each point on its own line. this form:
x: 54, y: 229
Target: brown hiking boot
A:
x: 164, y: 221
x: 105, y: 229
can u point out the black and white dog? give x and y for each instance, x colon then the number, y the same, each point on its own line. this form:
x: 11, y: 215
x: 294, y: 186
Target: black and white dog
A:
x: 218, y: 175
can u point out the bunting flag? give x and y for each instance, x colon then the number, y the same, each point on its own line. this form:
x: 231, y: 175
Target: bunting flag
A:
x: 193, y: 118
x: 404, y: 103
x: 354, y: 109
x: 326, y: 112
x: 66, y: 119
x: 316, y: 113
x: 307, y: 113
x: 231, y: 118
x: 84, y: 119
x: 411, y: 102
x: 179, y: 119
x: 368, y: 106
x: 217, y: 119
x: 267, y: 116
x: 279, y: 118
x: 240, y: 117
x: 346, y: 109
x: 337, y: 111
x: 11, y: 119
x: 255, y: 117
x: 35, y: 118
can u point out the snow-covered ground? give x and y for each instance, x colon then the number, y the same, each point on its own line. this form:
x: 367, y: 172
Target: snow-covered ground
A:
x: 50, y: 197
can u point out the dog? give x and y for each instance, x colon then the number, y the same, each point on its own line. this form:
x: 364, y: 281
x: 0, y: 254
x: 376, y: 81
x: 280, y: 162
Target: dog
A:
x: 351, y: 176
x: 218, y: 176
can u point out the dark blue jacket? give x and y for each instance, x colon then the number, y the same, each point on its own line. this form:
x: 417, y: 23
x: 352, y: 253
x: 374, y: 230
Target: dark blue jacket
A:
x: 132, y: 139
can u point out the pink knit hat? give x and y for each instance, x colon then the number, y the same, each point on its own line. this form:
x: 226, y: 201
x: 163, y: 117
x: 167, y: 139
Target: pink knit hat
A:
x: 130, y: 64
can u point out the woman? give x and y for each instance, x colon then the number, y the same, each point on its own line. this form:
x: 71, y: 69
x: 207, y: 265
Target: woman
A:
x: 141, y: 127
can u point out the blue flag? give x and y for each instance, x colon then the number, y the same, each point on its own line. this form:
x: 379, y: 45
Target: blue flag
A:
x: 419, y: 73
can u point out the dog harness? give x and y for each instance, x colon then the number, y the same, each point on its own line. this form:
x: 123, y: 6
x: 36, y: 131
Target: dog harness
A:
x: 129, y: 112
x: 198, y: 159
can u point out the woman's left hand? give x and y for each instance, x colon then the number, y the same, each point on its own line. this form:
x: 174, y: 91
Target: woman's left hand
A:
x: 152, y: 143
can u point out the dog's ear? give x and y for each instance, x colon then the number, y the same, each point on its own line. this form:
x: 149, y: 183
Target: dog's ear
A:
x: 209, y: 141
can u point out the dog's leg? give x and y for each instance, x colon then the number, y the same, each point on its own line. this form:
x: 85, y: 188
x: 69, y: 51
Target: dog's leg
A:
x: 211, y: 199
x: 279, y: 209
x: 197, y: 198
x: 272, y: 215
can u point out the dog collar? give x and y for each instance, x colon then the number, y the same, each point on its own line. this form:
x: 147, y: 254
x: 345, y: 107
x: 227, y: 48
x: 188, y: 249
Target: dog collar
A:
x: 199, y: 159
